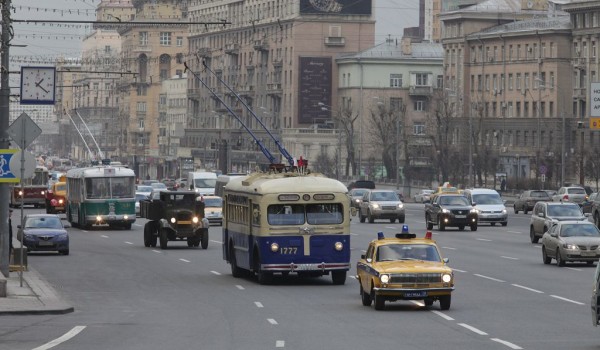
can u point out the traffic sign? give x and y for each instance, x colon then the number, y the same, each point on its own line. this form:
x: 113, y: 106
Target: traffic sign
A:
x: 543, y: 169
x: 6, y: 175
x: 28, y: 165
x: 543, y: 177
x: 594, y: 123
x: 24, y: 130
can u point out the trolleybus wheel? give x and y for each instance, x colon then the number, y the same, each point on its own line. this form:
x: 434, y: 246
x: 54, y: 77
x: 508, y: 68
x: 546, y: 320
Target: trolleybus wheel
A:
x: 163, y: 238
x: 204, y: 240
x: 428, y: 301
x: 338, y: 277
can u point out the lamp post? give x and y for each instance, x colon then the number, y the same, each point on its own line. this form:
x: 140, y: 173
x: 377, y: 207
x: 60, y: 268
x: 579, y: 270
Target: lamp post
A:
x: 518, y: 169
x: 580, y: 126
x: 338, y: 152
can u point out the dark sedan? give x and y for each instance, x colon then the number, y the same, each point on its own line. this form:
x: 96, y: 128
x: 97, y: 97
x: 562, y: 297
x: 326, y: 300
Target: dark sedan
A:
x: 527, y: 200
x: 45, y: 232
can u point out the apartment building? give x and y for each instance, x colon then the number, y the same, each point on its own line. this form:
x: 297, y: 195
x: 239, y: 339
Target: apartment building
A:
x: 172, y: 116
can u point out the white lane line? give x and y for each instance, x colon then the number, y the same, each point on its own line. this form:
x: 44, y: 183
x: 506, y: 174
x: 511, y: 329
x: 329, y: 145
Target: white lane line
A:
x: 457, y: 270
x: 514, y: 231
x: 239, y: 287
x: 104, y: 236
x: 529, y: 289
x: 85, y: 231
x: 364, y: 251
x: 391, y: 227
x: 272, y: 321
x: 537, y: 246
x: 353, y: 234
x: 484, y: 240
x: 218, y: 242
x: 565, y: 299
x: 70, y: 334
x: 128, y: 242
x: 472, y: 329
x: 137, y: 225
x: 508, y: 257
x: 184, y: 260
x: 442, y: 315
x: 504, y: 342
x: 258, y: 304
x: 216, y: 273
x: 352, y: 276
x: 449, y: 248
x: 435, y: 233
x: 156, y: 251
x: 488, y: 277
x: 572, y: 268
x: 280, y: 344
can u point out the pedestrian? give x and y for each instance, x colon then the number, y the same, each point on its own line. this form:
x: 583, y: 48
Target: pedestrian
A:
x: 10, y: 233
x: 503, y: 185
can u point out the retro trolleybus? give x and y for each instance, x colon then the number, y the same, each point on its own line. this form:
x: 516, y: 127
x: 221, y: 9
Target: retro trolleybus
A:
x: 287, y: 222
x: 34, y: 189
x: 101, y: 195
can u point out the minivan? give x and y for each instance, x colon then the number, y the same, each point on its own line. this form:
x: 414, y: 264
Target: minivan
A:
x: 489, y: 204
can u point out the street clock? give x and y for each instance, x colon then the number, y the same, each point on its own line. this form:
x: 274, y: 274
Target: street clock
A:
x: 38, y: 85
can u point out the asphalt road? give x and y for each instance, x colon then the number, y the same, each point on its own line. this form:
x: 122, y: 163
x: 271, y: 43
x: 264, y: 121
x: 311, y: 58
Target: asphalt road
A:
x: 130, y: 297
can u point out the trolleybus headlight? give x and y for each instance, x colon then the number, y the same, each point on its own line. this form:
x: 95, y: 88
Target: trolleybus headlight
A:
x: 339, y: 246
x: 446, y: 278
x: 384, y: 278
x: 125, y: 217
x: 195, y: 219
x: 43, y: 193
x: 173, y: 220
x: 274, y: 247
x: 98, y: 218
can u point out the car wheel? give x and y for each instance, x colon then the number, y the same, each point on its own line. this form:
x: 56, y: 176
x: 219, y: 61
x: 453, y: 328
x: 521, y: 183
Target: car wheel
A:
x: 204, y: 241
x: 559, y: 260
x: 516, y: 211
x: 365, y: 297
x: 428, y: 301
x: 163, y: 238
x: 401, y: 219
x: 338, y: 277
x: 66, y: 252
x: 235, y: 270
x: 504, y: 223
x: 428, y: 222
x: 474, y: 227
x: 147, y: 234
x: 371, y: 218
x: 362, y: 218
x: 392, y: 221
x: 547, y: 260
x: 532, y: 235
x: 589, y: 262
x: 379, y: 302
x: 461, y: 227
x: 441, y: 225
x: 445, y: 301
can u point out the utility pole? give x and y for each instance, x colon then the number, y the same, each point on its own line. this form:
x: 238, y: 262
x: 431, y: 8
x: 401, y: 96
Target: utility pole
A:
x: 4, y: 140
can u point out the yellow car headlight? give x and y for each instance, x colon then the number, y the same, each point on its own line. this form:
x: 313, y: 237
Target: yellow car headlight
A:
x: 195, y: 219
x: 339, y: 246
x: 274, y: 247
x: 60, y: 201
x: 446, y: 278
x: 384, y: 278
x: 173, y: 220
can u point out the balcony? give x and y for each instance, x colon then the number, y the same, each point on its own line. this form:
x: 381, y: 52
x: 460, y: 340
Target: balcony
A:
x: 204, y: 52
x: 232, y: 48
x: 335, y: 41
x: 246, y: 90
x: 261, y: 45
x: 278, y: 62
x: 420, y: 90
x: 274, y: 89
x: 194, y: 93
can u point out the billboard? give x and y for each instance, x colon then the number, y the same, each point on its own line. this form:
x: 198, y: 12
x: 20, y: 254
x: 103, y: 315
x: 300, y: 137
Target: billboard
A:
x: 341, y: 7
x: 314, y: 83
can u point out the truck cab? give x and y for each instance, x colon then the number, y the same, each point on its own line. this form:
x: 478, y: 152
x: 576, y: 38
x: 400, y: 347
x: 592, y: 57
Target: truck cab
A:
x: 202, y: 182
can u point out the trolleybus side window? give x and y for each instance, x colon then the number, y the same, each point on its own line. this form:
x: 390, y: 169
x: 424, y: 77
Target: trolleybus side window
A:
x: 285, y: 214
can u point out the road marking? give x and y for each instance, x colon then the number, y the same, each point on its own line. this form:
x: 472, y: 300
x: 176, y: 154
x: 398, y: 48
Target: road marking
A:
x: 137, y: 225
x: 352, y: 276
x: 572, y: 268
x: 565, y: 299
x: 272, y: 321
x: 128, y: 242
x: 537, y: 246
x: 218, y: 242
x: 70, y: 334
x: 509, y: 257
x: 353, y: 234
x: 156, y: 251
x: 391, y: 227
x: 104, y: 236
x: 504, y: 342
x: 449, y: 248
x: 239, y: 287
x: 216, y: 273
x: 529, y: 289
x: 258, y: 304
x: 442, y: 315
x: 280, y: 344
x: 514, y: 231
x: 184, y: 260
x: 472, y: 329
x: 484, y: 240
x: 457, y: 270
x: 85, y: 231
x: 489, y: 278
x: 435, y: 233
x: 364, y: 251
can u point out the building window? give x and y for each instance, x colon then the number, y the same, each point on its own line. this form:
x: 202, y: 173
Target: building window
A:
x: 487, y: 82
x: 141, y: 106
x: 518, y: 110
x: 421, y: 79
x: 143, y: 38
x: 419, y: 105
x: 526, y: 82
x: 396, y: 80
x: 179, y: 41
x: 419, y: 129
x: 551, y: 109
x: 396, y: 104
x: 440, y: 81
x: 141, y: 123
x: 165, y: 38
x: 510, y: 81
x: 525, y: 109
x: 518, y: 82
x: 536, y: 82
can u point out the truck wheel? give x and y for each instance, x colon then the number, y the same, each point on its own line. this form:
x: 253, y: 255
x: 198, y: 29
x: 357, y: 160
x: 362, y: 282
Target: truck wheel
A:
x: 205, y: 239
x: 428, y: 222
x: 532, y: 235
x: 473, y: 227
x: 235, y: 270
x: 445, y: 302
x: 163, y: 238
x: 148, y: 234
x: 338, y: 277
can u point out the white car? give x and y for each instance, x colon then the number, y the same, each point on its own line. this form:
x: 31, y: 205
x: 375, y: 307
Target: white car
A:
x: 143, y: 189
x: 423, y: 196
x: 139, y: 196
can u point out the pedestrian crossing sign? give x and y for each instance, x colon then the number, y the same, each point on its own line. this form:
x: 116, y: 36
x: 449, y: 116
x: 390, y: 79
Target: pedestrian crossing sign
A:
x: 6, y: 175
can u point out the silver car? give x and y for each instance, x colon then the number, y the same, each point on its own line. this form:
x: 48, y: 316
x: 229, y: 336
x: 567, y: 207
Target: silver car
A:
x: 423, y: 196
x: 573, y: 194
x: 381, y: 204
x: 571, y: 241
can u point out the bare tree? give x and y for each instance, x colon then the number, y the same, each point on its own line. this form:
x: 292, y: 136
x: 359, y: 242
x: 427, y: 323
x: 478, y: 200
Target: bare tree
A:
x: 345, y: 121
x: 440, y: 122
x: 325, y: 165
x: 385, y: 124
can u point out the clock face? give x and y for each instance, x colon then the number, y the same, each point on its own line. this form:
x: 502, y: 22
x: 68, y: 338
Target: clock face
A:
x: 38, y: 85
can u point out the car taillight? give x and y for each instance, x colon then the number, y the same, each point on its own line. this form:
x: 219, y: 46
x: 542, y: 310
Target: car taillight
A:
x: 566, y: 197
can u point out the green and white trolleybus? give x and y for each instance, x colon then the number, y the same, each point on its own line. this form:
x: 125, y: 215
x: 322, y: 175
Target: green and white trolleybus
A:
x: 101, y: 195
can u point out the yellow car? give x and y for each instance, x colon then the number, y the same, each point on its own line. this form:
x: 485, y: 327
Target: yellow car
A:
x: 404, y: 268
